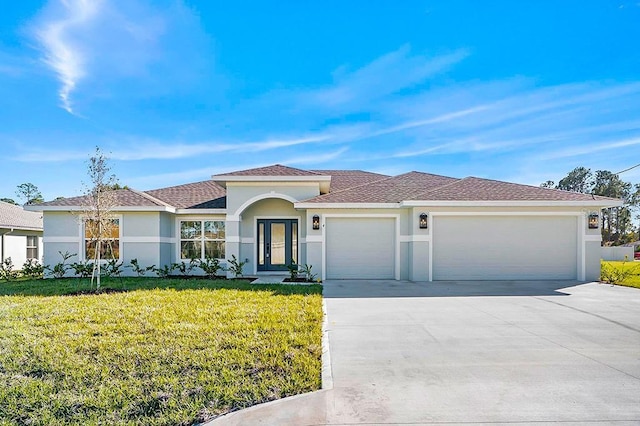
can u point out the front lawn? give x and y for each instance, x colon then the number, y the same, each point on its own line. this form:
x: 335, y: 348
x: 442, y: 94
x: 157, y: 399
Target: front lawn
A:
x: 630, y: 271
x: 163, y: 352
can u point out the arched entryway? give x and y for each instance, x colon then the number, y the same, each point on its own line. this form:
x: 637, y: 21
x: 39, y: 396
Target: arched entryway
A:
x: 271, y: 233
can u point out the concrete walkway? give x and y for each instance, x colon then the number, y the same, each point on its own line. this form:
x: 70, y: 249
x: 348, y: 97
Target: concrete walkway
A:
x: 472, y: 353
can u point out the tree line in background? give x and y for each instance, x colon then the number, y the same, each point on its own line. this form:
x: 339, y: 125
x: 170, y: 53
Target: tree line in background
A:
x: 30, y: 194
x: 617, y: 222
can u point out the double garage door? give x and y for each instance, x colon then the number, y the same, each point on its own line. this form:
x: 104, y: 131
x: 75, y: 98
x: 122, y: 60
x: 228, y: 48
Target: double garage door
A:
x: 504, y: 247
x: 462, y: 247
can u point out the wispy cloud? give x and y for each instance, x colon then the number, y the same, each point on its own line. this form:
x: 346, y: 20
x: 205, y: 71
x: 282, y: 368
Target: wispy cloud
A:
x: 429, y: 121
x: 62, y: 51
x: 97, y: 45
x: 138, y: 149
x: 383, y: 76
x: 577, y: 151
x: 316, y: 158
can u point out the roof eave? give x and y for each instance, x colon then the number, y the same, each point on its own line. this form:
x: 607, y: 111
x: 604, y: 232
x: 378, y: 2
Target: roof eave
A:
x: 515, y: 203
x: 222, y: 179
x: 20, y: 227
x: 201, y: 211
x: 306, y: 205
x: 114, y: 209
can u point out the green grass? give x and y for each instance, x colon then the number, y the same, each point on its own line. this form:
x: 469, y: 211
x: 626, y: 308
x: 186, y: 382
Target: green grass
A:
x: 632, y: 267
x: 165, y: 352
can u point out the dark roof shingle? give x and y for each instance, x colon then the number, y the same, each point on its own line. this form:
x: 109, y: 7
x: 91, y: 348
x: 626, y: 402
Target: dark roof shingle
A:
x: 123, y: 198
x: 199, y: 195
x: 390, y: 190
x: 344, y: 179
x: 478, y: 189
x: 275, y: 170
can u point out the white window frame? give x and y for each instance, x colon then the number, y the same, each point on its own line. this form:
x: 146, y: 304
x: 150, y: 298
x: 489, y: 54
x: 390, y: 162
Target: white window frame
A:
x: 202, y: 239
x: 83, y: 239
x: 36, y: 246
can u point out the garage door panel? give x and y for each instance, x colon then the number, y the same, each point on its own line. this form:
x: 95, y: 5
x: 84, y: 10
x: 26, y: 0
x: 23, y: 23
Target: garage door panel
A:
x: 504, y: 247
x: 360, y: 248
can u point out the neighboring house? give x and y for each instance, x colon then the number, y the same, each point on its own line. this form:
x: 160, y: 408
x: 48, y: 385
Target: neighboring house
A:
x: 352, y: 224
x: 20, y: 234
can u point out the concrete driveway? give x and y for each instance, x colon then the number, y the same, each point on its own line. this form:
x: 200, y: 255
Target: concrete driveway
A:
x: 472, y: 353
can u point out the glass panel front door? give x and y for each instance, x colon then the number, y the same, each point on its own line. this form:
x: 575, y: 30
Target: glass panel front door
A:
x: 277, y: 244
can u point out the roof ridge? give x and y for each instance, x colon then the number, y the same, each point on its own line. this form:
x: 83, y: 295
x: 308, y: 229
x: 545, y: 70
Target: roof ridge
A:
x: 347, y: 170
x: 236, y: 172
x: 182, y: 184
x: 353, y: 187
x: 295, y: 168
x: 457, y: 180
x: 150, y: 197
x: 546, y: 189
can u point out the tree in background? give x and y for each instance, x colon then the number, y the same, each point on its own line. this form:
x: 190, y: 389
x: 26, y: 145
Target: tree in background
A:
x: 579, y: 179
x: 30, y: 193
x: 617, y: 222
x: 9, y: 200
x: 99, y: 223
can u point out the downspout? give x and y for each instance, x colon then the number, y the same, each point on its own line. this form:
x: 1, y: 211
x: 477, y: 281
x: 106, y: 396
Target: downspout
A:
x: 2, y: 243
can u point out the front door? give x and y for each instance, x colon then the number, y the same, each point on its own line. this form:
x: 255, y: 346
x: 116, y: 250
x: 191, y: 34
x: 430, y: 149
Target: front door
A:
x: 277, y: 244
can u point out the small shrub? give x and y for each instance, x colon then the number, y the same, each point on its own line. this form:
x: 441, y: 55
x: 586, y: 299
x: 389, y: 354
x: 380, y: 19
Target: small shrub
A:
x: 140, y: 270
x: 32, y: 269
x: 308, y: 274
x: 293, y: 270
x: 613, y: 274
x: 82, y: 269
x: 113, y: 268
x: 237, y: 266
x: 210, y: 267
x: 6, y: 270
x: 164, y: 271
x: 60, y: 269
x: 186, y: 268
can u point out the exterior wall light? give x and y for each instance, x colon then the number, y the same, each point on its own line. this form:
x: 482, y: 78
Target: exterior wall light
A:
x: 316, y: 222
x: 594, y: 220
x: 423, y: 223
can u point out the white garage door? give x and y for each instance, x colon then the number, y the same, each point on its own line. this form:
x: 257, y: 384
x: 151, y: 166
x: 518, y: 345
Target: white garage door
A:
x: 360, y: 248
x: 504, y: 247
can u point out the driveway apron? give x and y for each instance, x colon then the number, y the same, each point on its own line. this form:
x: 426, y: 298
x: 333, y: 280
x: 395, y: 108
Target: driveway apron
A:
x: 474, y: 353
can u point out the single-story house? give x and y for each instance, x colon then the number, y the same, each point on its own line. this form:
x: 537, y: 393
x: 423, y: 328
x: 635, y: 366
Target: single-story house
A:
x: 351, y: 224
x: 20, y: 234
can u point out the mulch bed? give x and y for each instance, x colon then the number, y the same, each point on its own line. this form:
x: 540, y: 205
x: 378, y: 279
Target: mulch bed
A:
x: 297, y: 280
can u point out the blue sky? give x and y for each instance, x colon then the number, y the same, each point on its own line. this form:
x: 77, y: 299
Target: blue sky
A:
x: 175, y: 91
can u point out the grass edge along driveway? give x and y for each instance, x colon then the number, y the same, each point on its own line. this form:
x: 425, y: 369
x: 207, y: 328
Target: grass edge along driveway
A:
x: 164, y: 352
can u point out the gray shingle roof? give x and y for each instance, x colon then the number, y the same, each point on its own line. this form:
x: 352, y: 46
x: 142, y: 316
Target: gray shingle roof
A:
x: 199, y: 195
x: 123, y: 198
x: 477, y: 189
x: 12, y: 216
x: 344, y: 179
x: 275, y: 170
x: 390, y: 190
x: 347, y: 186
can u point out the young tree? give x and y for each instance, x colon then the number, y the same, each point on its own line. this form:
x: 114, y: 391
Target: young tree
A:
x: 30, y: 193
x: 99, y: 223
